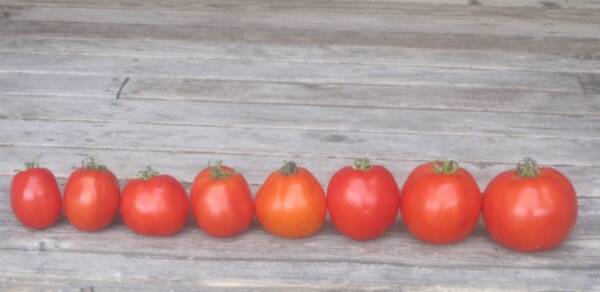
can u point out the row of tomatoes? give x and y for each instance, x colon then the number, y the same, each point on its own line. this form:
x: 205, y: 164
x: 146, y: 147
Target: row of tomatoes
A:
x: 529, y: 208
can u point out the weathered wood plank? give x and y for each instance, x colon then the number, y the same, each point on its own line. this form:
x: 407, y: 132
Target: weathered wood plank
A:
x: 112, y: 270
x: 346, y: 95
x: 282, y: 116
x: 550, y: 4
x: 185, y: 165
x: 59, y: 85
x: 243, y: 70
x: 251, y: 4
x: 473, y: 59
x: 296, y: 143
x: 462, y: 20
x: 571, y: 47
x: 553, y: 4
x: 440, y: 97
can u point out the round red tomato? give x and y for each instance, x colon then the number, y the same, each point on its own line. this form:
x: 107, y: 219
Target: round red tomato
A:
x: 154, y: 204
x: 530, y: 208
x: 91, y: 197
x: 35, y: 197
x: 363, y: 200
x: 221, y: 201
x: 440, y: 202
x: 291, y: 202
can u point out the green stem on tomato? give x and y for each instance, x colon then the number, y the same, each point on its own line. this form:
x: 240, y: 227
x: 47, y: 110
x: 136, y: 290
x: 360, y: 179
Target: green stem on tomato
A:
x: 289, y: 168
x: 528, y: 167
x: 217, y: 172
x: 445, y: 166
x: 363, y: 164
x: 147, y: 173
x: 31, y: 164
x: 91, y: 164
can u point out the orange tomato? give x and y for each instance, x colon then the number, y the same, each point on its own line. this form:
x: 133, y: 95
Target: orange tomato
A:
x: 291, y: 202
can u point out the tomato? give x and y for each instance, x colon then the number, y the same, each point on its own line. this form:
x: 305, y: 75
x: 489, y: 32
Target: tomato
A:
x: 530, y: 208
x: 363, y: 200
x: 154, y: 204
x: 291, y: 202
x: 440, y: 202
x: 221, y: 201
x: 35, y: 197
x: 91, y: 197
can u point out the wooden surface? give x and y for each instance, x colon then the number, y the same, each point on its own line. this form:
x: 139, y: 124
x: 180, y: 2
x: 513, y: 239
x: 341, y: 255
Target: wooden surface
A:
x: 178, y: 83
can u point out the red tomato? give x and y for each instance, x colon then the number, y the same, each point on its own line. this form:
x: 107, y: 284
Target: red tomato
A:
x: 35, y: 197
x: 154, y: 204
x: 221, y: 201
x: 363, y: 200
x: 91, y: 197
x: 440, y: 202
x: 530, y: 208
x: 291, y: 202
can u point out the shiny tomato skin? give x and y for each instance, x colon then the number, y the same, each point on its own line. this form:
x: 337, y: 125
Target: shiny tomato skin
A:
x: 363, y: 204
x: 292, y: 206
x: 91, y: 199
x: 530, y: 213
x: 35, y: 198
x: 440, y: 208
x: 157, y: 206
x: 222, y: 207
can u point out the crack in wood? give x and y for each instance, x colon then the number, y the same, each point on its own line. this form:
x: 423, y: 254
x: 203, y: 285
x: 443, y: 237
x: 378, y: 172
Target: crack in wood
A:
x: 118, y: 96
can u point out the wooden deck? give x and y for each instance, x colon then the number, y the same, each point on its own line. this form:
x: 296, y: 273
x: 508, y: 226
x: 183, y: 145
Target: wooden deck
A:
x: 178, y: 83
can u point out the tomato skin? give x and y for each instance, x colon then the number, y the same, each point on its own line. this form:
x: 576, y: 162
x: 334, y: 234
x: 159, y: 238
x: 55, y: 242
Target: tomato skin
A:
x: 291, y: 206
x: 35, y: 198
x: 157, y: 206
x: 440, y: 208
x: 222, y: 207
x: 363, y: 204
x: 530, y: 213
x: 91, y: 199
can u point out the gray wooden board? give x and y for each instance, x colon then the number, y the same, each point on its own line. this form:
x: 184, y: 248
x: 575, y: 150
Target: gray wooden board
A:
x: 584, y: 49
x: 309, y: 117
x: 439, y: 97
x: 296, y: 142
x: 389, y: 18
x: 251, y: 70
x: 427, y: 57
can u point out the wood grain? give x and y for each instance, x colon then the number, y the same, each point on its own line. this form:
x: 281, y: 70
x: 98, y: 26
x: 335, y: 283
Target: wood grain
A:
x: 296, y: 143
x: 300, y: 53
x: 248, y: 70
x: 439, y: 97
x: 283, y: 116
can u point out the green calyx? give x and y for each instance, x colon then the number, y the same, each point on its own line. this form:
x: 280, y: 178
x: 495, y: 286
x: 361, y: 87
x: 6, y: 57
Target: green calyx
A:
x: 528, y: 167
x: 147, y: 173
x: 217, y: 172
x: 288, y: 168
x: 91, y: 164
x: 31, y: 164
x: 361, y: 164
x: 445, y: 166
